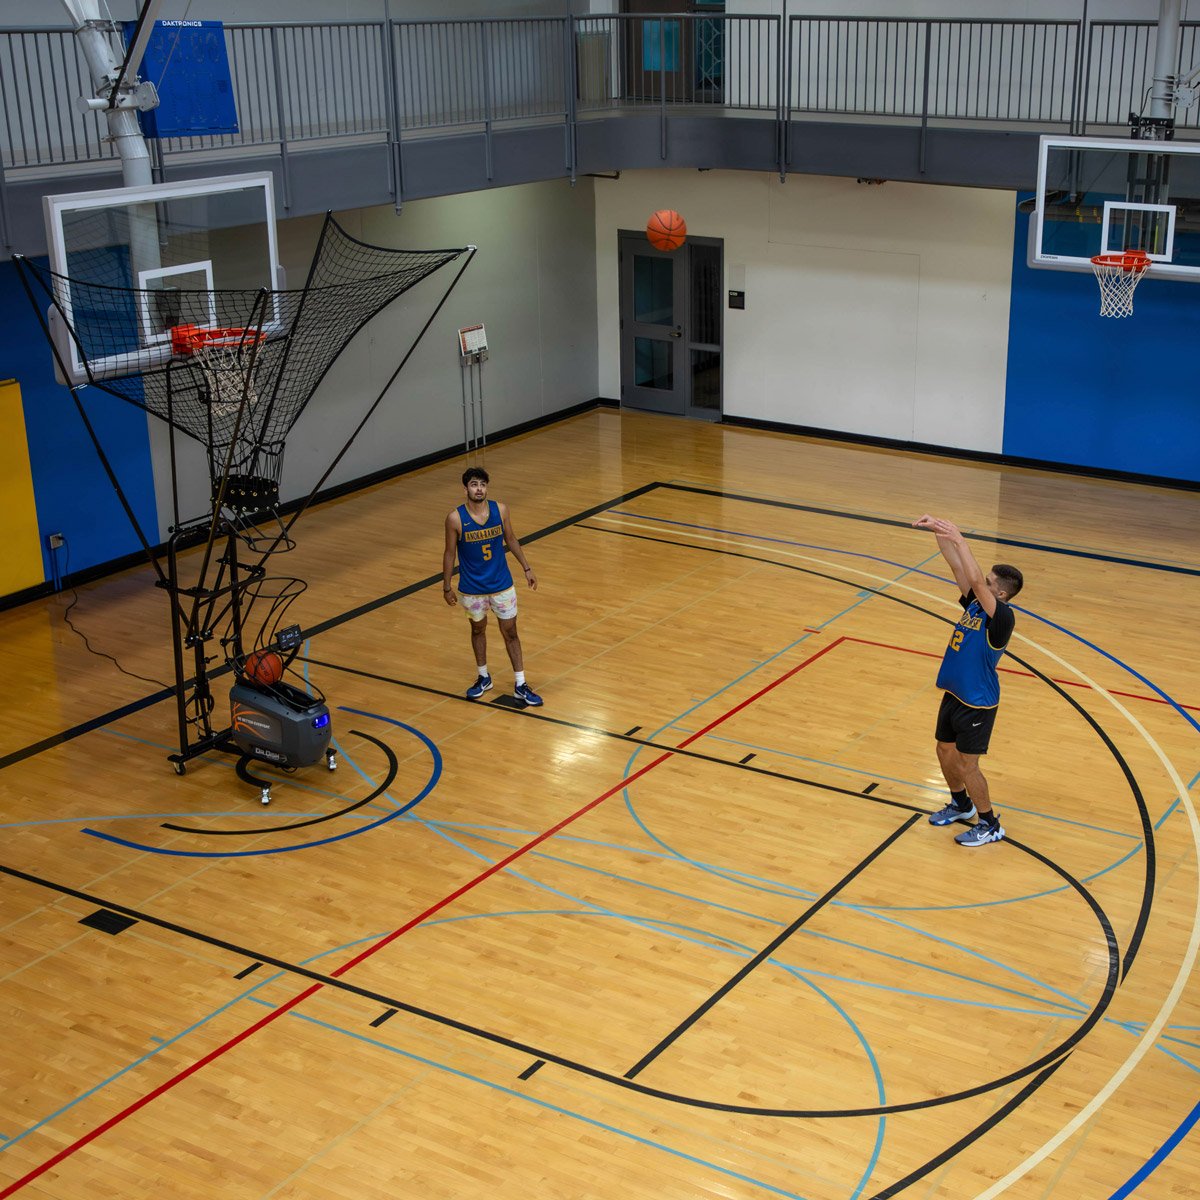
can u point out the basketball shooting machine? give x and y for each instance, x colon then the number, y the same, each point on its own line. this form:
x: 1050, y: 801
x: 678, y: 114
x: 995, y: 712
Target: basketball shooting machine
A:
x: 131, y: 304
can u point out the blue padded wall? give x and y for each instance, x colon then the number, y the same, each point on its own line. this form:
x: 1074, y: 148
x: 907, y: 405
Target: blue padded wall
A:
x: 1105, y: 393
x: 72, y: 491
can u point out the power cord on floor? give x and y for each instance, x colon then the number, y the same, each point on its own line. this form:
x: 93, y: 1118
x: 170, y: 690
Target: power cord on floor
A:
x: 58, y: 578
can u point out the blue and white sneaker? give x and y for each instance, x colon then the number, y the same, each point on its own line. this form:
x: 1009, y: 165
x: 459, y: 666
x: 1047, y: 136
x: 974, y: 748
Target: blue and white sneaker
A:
x: 481, y: 685
x: 524, y: 692
x: 950, y: 814
x: 981, y: 834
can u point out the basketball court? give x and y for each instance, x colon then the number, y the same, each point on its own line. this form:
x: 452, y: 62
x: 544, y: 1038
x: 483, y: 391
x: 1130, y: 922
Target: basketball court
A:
x: 683, y: 931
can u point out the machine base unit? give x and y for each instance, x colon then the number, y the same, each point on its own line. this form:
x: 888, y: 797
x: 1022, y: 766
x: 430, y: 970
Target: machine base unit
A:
x: 280, y: 724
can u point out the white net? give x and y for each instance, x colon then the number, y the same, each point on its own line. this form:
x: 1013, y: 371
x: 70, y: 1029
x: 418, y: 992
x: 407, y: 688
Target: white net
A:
x: 1118, y: 275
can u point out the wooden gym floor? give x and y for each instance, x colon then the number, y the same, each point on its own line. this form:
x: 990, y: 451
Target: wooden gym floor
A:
x: 683, y: 932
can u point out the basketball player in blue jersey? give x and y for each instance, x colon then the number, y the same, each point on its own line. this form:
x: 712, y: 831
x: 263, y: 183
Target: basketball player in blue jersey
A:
x: 478, y: 533
x: 970, y: 681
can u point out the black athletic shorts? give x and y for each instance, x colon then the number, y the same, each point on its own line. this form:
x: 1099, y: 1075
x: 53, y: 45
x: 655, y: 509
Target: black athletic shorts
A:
x: 970, y: 729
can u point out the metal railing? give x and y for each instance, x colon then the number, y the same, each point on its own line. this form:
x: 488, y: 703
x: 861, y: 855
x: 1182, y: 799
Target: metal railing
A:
x: 1120, y: 69
x: 1014, y: 72
x: 298, y: 83
x: 629, y: 62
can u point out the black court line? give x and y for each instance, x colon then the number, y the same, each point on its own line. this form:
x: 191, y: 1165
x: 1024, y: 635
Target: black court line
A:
x: 341, y: 984
x: 996, y: 539
x: 243, y: 773
x: 530, y: 1070
x: 1148, y: 839
x: 869, y: 788
x: 135, y: 706
x: 248, y: 971
x: 631, y: 732
x: 563, y: 722
x: 974, y: 1135
x: 743, y: 761
x: 98, y: 722
x: 384, y: 1016
x: 768, y: 949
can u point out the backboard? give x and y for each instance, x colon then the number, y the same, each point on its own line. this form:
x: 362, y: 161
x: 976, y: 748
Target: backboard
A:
x: 176, y: 247
x: 1097, y: 196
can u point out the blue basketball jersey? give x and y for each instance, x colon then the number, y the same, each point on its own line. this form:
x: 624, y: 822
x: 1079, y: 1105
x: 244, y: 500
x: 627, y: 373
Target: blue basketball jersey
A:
x: 482, y: 565
x: 969, y: 666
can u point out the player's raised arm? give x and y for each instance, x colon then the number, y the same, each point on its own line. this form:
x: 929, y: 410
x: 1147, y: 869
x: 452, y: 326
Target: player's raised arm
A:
x: 967, y: 572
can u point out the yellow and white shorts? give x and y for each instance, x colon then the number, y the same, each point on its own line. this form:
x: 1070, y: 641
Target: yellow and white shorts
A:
x: 503, y: 604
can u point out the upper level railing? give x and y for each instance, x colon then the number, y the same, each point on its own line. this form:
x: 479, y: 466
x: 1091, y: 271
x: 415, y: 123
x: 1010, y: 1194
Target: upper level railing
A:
x: 299, y: 83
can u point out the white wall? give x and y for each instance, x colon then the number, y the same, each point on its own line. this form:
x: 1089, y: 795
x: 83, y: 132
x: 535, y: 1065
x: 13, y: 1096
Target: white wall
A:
x: 880, y: 310
x: 532, y: 284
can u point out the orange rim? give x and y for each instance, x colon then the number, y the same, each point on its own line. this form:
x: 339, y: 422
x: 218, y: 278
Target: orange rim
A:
x: 187, y: 339
x: 1125, y: 260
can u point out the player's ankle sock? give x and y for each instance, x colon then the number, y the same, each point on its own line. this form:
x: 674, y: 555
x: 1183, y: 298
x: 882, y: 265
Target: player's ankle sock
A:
x: 961, y: 799
x: 989, y: 818
x: 483, y: 671
x: 520, y: 678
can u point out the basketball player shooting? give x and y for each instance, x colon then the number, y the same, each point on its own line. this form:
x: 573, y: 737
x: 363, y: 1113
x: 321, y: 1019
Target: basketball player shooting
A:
x: 478, y: 533
x: 970, y: 682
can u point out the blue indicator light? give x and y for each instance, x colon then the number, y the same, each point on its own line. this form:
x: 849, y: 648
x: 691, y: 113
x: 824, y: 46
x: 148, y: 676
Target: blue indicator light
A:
x: 321, y: 721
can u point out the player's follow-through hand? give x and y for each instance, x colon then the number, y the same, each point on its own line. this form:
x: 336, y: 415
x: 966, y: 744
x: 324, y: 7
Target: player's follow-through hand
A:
x: 938, y: 525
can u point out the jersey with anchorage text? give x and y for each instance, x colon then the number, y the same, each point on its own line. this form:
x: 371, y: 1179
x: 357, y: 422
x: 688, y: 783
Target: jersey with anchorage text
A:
x: 482, y: 565
x: 969, y: 666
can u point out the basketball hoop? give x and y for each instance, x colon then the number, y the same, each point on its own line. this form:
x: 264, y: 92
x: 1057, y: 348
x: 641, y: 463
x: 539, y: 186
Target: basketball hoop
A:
x: 1118, y: 275
x: 245, y: 469
x: 187, y: 339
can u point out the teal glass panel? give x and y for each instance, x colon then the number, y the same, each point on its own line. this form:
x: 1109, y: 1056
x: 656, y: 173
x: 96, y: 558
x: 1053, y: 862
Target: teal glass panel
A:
x: 653, y: 364
x: 660, y: 45
x: 653, y: 290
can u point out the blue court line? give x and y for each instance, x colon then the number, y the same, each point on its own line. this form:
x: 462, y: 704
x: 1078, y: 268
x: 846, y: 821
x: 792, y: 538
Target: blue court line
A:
x: 1191, y: 1120
x: 566, y: 1112
x: 857, y: 771
x: 656, y: 926
x: 430, y: 784
x: 340, y: 746
x: 633, y: 813
x: 1071, y: 1005
x: 903, y: 520
x: 1195, y: 724
x: 250, y: 994
x: 164, y: 1043
x: 1158, y: 1157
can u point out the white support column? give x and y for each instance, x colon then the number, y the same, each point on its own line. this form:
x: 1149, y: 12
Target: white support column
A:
x: 1166, y: 59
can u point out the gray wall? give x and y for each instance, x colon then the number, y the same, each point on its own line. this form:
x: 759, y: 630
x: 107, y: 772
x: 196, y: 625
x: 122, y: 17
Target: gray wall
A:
x: 532, y: 283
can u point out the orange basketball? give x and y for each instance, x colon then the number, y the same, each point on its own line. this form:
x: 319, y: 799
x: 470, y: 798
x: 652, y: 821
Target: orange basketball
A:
x: 666, y: 229
x: 264, y: 666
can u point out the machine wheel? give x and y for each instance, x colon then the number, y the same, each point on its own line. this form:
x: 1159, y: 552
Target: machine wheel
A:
x: 180, y: 768
x: 331, y: 761
x: 266, y: 795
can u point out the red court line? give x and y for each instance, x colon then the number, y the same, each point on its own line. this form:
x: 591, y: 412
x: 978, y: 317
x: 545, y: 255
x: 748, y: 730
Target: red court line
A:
x: 212, y: 1055
x: 1025, y: 674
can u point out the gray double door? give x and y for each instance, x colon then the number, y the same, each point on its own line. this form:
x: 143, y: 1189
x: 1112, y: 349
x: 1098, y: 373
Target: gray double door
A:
x: 671, y: 326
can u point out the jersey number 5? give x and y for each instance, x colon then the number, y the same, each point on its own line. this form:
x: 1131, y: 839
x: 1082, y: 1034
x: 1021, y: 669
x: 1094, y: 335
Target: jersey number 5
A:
x: 486, y: 548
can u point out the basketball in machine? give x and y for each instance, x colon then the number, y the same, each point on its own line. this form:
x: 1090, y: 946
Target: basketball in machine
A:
x: 274, y: 721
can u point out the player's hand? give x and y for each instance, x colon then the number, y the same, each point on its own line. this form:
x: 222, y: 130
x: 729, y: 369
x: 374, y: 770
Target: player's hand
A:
x: 925, y: 521
x: 531, y: 578
x: 449, y: 596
